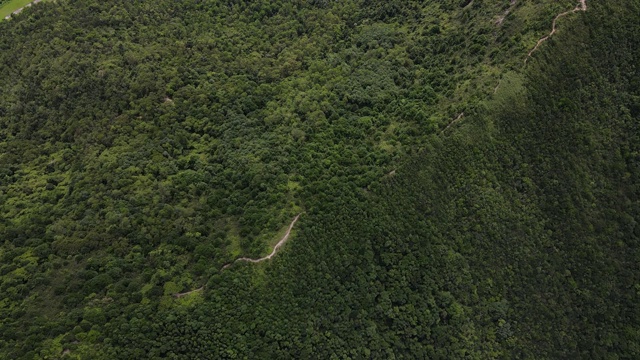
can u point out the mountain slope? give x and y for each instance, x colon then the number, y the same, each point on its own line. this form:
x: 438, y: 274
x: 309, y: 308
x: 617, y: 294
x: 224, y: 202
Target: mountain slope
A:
x: 511, y: 235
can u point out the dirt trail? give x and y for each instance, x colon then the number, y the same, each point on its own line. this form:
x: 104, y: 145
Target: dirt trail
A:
x: 188, y: 292
x: 506, y: 12
x: 582, y: 6
x: 453, y: 122
x: 275, y: 250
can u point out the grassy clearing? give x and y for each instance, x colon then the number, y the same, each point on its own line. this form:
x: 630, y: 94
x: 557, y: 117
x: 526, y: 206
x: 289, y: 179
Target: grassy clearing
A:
x: 11, y: 6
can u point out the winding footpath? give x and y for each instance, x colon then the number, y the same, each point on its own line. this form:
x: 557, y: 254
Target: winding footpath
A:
x: 273, y: 253
x: 275, y: 248
x: 582, y: 6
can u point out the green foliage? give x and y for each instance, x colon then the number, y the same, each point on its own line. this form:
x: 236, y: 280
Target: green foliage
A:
x: 143, y: 145
x: 7, y: 7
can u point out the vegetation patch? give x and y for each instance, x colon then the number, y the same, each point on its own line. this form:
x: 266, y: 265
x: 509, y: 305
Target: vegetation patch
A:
x: 7, y: 7
x: 144, y: 145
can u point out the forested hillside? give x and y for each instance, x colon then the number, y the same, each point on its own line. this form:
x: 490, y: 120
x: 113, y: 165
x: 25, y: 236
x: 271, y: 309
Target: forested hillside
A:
x: 212, y: 124
x: 143, y: 145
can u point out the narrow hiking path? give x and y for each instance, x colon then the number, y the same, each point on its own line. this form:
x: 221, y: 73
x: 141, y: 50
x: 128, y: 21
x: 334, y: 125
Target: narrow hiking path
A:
x: 179, y: 295
x: 505, y: 14
x: 275, y: 248
x: 460, y: 116
x: 273, y: 253
x: 582, y: 6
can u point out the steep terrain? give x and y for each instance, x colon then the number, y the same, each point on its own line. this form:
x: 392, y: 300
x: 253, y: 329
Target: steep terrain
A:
x: 146, y: 144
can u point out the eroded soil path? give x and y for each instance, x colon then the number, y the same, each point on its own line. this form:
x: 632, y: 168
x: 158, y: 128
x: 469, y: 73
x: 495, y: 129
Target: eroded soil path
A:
x: 273, y: 253
x: 460, y: 116
x: 275, y: 248
x: 506, y: 12
x: 582, y: 6
x: 188, y: 292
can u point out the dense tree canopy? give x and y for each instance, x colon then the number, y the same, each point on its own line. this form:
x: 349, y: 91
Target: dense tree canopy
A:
x: 143, y: 145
